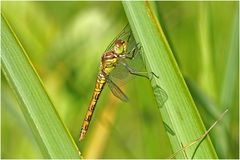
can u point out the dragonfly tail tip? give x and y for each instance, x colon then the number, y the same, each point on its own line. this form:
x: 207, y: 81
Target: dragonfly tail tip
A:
x: 81, y: 138
x: 82, y: 134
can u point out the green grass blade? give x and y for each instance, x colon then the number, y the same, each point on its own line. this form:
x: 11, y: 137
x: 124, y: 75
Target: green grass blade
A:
x: 230, y: 87
x: 53, y: 138
x: 232, y: 71
x: 206, y: 45
x: 179, y: 111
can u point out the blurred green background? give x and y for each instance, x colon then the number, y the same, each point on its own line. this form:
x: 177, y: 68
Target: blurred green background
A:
x: 65, y: 41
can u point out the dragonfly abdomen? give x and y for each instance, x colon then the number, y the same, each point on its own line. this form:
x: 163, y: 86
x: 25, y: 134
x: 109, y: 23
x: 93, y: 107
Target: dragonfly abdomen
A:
x: 101, y: 80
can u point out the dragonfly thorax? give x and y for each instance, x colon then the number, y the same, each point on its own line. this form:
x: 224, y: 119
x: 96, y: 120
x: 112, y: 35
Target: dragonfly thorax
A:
x: 109, y: 62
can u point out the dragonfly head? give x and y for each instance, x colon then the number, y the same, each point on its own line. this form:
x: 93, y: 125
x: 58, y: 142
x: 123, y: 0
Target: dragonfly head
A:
x: 120, y: 46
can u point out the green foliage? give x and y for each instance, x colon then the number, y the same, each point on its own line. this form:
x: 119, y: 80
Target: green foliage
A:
x: 65, y: 40
x: 160, y: 60
x: 53, y: 139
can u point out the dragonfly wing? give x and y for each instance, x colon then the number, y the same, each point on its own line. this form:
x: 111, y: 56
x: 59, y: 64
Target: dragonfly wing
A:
x: 116, y: 90
x: 119, y: 72
x: 124, y: 34
x: 160, y: 95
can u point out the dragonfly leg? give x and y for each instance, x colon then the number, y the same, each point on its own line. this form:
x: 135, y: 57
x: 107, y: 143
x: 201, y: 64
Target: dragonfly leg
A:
x: 142, y: 74
x: 134, y: 51
x: 153, y: 74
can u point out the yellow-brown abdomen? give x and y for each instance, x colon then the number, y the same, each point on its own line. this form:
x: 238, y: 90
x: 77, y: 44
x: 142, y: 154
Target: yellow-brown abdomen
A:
x: 97, y: 91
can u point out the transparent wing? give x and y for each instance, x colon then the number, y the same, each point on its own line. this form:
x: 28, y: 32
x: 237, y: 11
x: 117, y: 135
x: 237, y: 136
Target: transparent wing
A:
x: 160, y: 95
x: 125, y: 34
x: 119, y: 72
x: 116, y: 90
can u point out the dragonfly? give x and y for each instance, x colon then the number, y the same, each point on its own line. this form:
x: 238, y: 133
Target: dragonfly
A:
x: 122, y: 47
